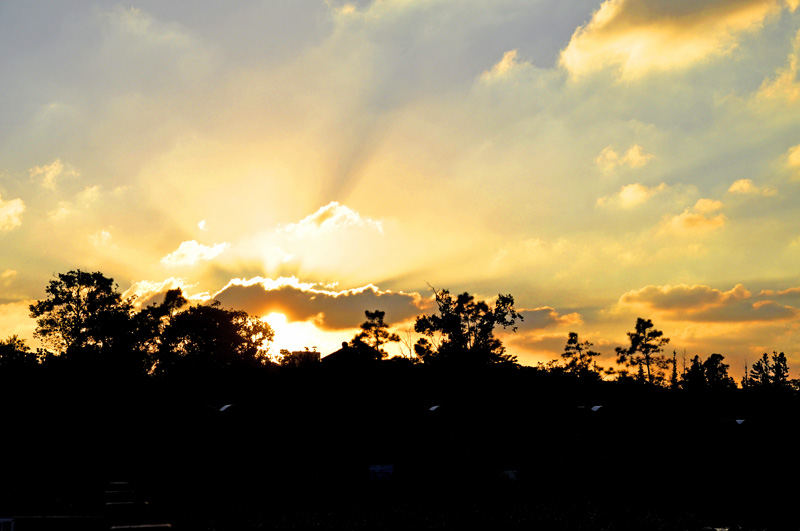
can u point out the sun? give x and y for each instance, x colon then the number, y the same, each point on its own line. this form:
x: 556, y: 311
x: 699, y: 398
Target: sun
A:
x: 298, y: 335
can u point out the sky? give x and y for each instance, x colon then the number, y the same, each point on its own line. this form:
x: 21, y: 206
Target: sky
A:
x: 307, y: 160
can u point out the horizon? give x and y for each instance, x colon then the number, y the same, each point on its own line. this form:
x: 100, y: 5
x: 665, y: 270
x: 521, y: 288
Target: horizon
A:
x: 307, y: 161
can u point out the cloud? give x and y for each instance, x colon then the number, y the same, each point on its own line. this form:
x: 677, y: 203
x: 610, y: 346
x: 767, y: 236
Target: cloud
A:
x: 706, y: 206
x: 49, y: 174
x: 746, y: 186
x: 635, y: 157
x: 327, y: 308
x: 783, y: 86
x: 100, y: 238
x: 631, y: 195
x: 636, y: 37
x: 131, y: 35
x: 793, y: 159
x: 82, y: 201
x: 546, y: 317
x: 11, y: 213
x: 695, y: 220
x: 147, y: 292
x: 503, y: 68
x: 7, y: 277
x: 700, y: 303
x: 190, y: 252
x: 683, y: 297
x: 329, y: 218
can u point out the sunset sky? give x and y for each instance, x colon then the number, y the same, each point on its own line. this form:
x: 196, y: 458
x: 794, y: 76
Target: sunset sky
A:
x: 308, y: 160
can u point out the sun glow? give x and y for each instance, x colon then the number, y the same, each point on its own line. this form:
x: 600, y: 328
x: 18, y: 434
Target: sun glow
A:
x: 298, y: 335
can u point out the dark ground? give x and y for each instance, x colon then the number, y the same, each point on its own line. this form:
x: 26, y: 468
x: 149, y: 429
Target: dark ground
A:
x: 294, y: 453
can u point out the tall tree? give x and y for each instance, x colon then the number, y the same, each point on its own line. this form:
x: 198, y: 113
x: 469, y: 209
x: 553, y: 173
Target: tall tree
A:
x: 760, y: 373
x: 673, y: 379
x: 151, y: 322
x: 646, y: 342
x: 716, y: 373
x: 579, y: 356
x: 695, y: 376
x: 463, y: 331
x: 374, y: 334
x: 82, y: 312
x: 780, y: 370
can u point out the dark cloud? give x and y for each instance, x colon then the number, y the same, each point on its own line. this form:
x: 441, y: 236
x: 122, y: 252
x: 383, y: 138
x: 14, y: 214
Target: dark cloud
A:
x: 544, y: 317
x: 328, y: 309
x: 683, y: 297
x: 700, y: 303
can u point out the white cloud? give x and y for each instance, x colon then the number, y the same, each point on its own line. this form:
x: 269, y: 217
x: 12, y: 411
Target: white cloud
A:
x: 145, y: 292
x: 190, y: 252
x: 329, y: 218
x: 11, y: 213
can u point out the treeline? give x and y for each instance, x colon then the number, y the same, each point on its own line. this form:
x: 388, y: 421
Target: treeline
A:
x: 86, y: 326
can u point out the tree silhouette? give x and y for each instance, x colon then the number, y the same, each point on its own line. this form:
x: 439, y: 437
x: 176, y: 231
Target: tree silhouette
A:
x: 16, y: 355
x: 769, y: 373
x: 646, y: 343
x: 578, y: 356
x: 374, y: 334
x: 780, y: 370
x: 760, y: 373
x: 206, y: 338
x: 716, y: 373
x: 463, y: 331
x: 83, y: 312
x: 151, y: 322
x: 695, y: 376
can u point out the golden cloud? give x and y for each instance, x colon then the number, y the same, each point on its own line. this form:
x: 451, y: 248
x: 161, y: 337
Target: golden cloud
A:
x: 702, y: 303
x: 746, y: 186
x: 502, y: 68
x: 783, y: 87
x: 11, y: 214
x: 793, y: 159
x: 7, y: 276
x: 636, y: 37
x: 695, y: 219
x: 50, y: 173
x: 632, y: 195
x: 635, y: 157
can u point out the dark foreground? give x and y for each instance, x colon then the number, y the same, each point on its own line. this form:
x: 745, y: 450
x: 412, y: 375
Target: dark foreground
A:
x: 501, y: 451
